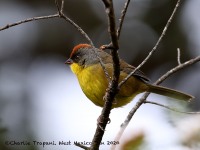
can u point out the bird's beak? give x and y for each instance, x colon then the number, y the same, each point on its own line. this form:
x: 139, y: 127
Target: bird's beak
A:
x: 69, y: 61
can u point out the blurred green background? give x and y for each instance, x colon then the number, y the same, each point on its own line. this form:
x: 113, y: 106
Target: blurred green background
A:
x: 38, y: 92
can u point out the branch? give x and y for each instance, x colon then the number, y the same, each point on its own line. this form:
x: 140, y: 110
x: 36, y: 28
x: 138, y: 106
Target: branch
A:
x: 28, y: 20
x: 156, y: 45
x: 177, y: 68
x: 121, y: 20
x: 172, y: 109
x: 113, y: 86
x: 123, y: 13
x: 62, y: 6
x: 128, y: 118
x: 60, y: 14
x: 143, y: 99
x: 179, y: 56
x: 77, y: 27
x: 111, y: 24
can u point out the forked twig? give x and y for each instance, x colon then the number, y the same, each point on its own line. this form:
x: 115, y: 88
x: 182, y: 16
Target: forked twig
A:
x: 60, y: 14
x: 156, y: 45
x: 143, y: 99
x: 177, y: 68
x: 121, y: 21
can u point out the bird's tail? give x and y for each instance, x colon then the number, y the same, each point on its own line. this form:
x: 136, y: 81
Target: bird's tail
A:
x: 169, y: 92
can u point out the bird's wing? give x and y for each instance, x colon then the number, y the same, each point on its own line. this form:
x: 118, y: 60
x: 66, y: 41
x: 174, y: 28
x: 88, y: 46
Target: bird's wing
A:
x: 138, y: 74
x: 125, y: 67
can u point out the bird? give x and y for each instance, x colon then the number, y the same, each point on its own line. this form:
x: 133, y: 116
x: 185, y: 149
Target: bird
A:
x: 85, y: 63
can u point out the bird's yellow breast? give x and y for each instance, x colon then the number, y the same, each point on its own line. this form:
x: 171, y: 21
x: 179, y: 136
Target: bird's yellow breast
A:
x: 94, y: 83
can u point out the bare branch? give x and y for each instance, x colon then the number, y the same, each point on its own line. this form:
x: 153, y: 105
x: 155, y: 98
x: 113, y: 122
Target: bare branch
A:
x: 123, y: 13
x: 111, y: 23
x: 109, y: 46
x: 156, y: 45
x: 77, y: 27
x: 28, y: 20
x: 121, y: 20
x: 129, y: 117
x: 177, y: 68
x: 57, y: 5
x: 60, y: 14
x: 143, y: 99
x: 179, y: 56
x: 113, y: 86
x: 170, y: 108
x: 62, y: 6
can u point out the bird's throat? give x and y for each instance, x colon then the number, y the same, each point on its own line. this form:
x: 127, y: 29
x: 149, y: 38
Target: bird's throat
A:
x: 76, y: 69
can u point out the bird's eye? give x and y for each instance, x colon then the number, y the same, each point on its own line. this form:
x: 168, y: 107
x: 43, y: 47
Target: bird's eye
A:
x: 76, y: 57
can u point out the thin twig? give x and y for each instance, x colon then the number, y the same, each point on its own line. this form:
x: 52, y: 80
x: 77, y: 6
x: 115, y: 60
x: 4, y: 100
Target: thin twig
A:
x: 111, y: 24
x: 170, y: 108
x: 62, y: 15
x: 57, y: 15
x: 128, y: 118
x: 123, y: 13
x: 28, y: 20
x: 62, y: 6
x: 179, y: 56
x: 177, y: 68
x: 121, y: 20
x: 156, y: 45
x: 77, y: 27
x: 57, y: 6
